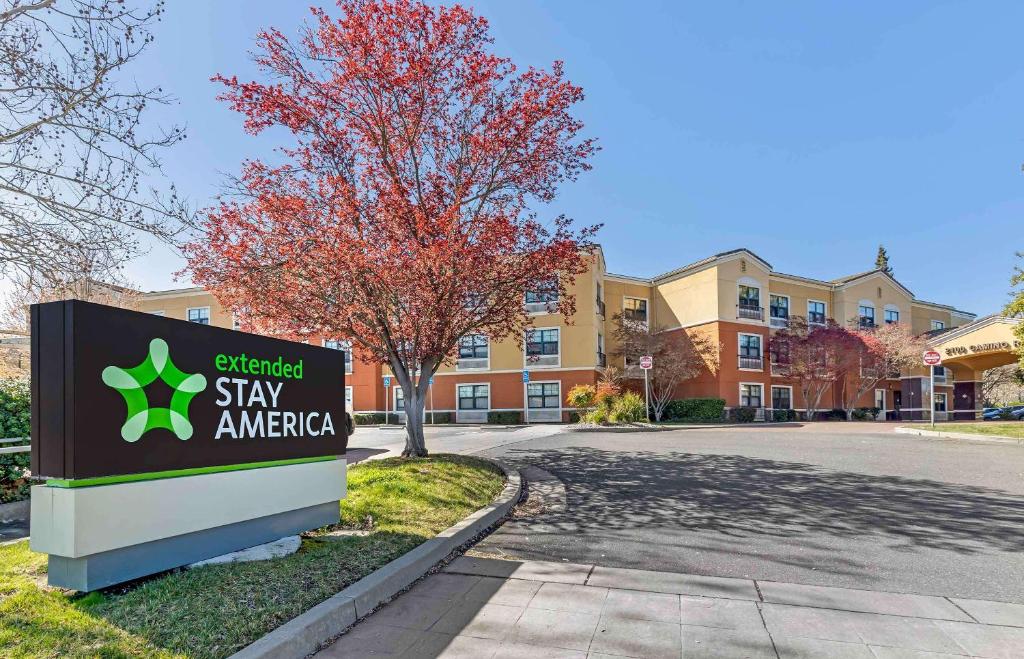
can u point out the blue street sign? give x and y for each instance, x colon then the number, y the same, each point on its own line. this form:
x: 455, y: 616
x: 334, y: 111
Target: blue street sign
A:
x: 387, y: 381
x: 431, y: 380
x: 526, y: 376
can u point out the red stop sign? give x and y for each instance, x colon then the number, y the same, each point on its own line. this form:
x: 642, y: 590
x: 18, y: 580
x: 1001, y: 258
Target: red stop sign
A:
x: 932, y: 358
x: 646, y: 362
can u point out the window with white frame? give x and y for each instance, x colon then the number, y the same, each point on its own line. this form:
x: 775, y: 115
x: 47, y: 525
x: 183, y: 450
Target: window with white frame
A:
x: 634, y: 309
x: 199, y: 315
x: 474, y: 352
x: 940, y: 401
x: 815, y: 312
x: 474, y: 396
x: 866, y: 315
x: 750, y: 351
x: 542, y: 346
x: 749, y: 296
x: 938, y: 325
x: 544, y: 395
x: 892, y: 314
x: 348, y: 398
x: 542, y: 299
x: 782, y: 398
x: 337, y: 344
x: 399, y: 399
x: 602, y: 359
x: 750, y: 395
x: 779, y: 310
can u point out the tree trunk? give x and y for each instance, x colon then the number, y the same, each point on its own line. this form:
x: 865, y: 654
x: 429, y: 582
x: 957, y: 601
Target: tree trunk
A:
x: 414, y: 391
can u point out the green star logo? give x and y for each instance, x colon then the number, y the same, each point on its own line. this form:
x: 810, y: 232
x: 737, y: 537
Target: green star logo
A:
x: 131, y: 383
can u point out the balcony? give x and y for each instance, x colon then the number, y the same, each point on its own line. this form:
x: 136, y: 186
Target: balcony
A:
x: 779, y: 321
x: 602, y: 359
x: 600, y: 307
x: 752, y: 363
x: 780, y: 370
x: 749, y: 312
x: 866, y: 323
x: 815, y: 318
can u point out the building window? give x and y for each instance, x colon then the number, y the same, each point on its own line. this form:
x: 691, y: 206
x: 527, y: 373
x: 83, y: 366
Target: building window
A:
x: 348, y: 398
x: 938, y: 325
x: 635, y: 309
x: 750, y: 395
x: 892, y: 316
x: 473, y: 346
x: 779, y: 310
x: 544, y: 395
x: 749, y: 303
x: 541, y: 342
x: 474, y: 396
x: 199, y: 315
x: 602, y: 359
x: 940, y: 402
x: 335, y: 344
x: 782, y: 398
x: 543, y: 299
x: 399, y: 399
x: 815, y: 312
x: 750, y: 351
x: 236, y: 324
x: 867, y: 315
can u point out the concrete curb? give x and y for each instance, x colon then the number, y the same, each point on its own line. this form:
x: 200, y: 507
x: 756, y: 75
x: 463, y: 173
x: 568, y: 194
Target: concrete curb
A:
x: 970, y: 437
x: 695, y: 426
x: 306, y: 633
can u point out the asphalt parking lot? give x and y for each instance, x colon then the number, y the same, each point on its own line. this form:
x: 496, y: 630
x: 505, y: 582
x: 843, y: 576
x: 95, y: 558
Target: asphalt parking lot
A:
x: 850, y: 505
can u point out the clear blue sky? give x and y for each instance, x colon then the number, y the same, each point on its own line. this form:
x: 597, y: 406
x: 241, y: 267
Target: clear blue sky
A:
x: 808, y: 132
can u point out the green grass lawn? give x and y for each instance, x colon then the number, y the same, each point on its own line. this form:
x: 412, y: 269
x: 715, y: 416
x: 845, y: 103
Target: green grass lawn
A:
x: 1005, y: 429
x: 215, y: 610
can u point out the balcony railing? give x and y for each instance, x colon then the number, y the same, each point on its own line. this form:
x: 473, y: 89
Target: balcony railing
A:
x: 779, y: 321
x: 749, y: 312
x: 600, y: 307
x: 780, y: 370
x: 867, y: 323
x: 550, y: 306
x: 471, y: 364
x: 752, y: 362
x: 602, y: 359
x: 815, y: 318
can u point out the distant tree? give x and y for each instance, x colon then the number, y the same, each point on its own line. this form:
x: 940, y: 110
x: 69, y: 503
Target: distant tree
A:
x: 1015, y: 309
x: 75, y: 158
x: 814, y: 357
x: 677, y: 355
x: 400, y: 217
x: 882, y: 260
x: 1003, y: 384
x: 882, y: 352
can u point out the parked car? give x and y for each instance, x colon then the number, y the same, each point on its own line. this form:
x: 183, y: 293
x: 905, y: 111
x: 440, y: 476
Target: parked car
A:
x: 1015, y: 412
x: 1018, y: 414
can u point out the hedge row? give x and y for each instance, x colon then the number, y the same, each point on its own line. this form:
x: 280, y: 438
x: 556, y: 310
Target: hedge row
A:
x: 377, y: 418
x: 15, y: 409
x: 695, y: 410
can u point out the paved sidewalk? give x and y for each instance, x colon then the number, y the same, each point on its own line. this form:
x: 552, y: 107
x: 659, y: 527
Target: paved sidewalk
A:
x: 480, y: 607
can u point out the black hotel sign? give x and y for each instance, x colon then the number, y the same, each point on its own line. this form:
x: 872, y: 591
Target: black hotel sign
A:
x: 118, y: 392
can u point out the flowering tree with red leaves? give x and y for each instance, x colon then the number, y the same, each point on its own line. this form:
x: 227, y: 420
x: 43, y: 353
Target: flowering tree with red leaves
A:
x: 400, y: 215
x: 882, y: 353
x: 815, y: 357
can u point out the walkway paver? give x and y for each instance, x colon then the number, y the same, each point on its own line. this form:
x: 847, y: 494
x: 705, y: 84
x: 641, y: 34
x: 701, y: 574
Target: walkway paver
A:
x: 491, y: 609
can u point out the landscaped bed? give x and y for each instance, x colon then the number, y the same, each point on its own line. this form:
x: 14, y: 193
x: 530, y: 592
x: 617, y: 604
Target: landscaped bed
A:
x: 1013, y: 429
x: 216, y: 610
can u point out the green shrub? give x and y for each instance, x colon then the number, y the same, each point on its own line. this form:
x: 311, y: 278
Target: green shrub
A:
x: 15, y: 413
x: 598, y: 415
x: 509, y: 418
x: 574, y: 417
x: 742, y: 414
x: 581, y: 396
x: 695, y: 410
x: 374, y: 419
x: 628, y: 408
x: 781, y: 416
x: 831, y: 415
x: 438, y: 417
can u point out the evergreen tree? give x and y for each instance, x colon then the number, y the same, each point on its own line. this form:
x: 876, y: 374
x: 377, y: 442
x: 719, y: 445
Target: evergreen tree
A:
x: 882, y: 260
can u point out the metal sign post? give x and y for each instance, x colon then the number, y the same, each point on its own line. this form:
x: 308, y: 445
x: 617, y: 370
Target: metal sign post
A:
x: 932, y: 358
x: 646, y: 362
x: 430, y: 385
x: 387, y: 394
x: 526, y: 397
